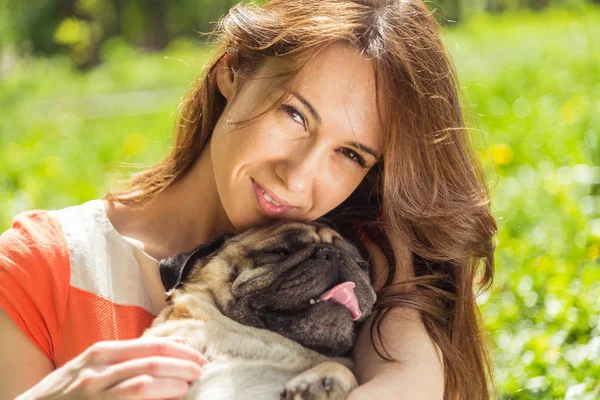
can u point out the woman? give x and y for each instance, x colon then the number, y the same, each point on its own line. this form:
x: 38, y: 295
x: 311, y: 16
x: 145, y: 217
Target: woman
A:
x: 347, y: 109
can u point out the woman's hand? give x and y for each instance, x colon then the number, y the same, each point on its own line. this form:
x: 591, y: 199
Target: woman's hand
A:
x: 145, y: 368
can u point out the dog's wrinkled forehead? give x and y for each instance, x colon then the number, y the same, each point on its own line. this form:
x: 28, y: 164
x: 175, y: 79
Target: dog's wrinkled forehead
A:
x: 288, y: 236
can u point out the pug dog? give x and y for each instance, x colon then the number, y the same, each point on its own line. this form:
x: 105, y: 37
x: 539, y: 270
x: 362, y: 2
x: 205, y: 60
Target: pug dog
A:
x: 274, y: 309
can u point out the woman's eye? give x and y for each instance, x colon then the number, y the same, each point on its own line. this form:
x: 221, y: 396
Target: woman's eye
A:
x: 354, y: 156
x: 294, y: 114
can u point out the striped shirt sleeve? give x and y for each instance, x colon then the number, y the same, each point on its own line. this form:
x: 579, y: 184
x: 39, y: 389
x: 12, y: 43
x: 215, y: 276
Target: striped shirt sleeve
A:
x: 34, y: 277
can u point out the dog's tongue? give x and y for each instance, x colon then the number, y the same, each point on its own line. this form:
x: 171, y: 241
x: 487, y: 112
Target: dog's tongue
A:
x: 344, y: 295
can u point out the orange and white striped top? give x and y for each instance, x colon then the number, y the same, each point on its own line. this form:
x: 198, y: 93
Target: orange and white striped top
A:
x: 69, y: 280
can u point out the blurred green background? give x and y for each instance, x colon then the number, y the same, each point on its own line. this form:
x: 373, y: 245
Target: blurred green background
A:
x: 89, y: 92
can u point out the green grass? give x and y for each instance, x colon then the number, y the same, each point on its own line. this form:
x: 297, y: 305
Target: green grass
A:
x: 532, y: 82
x: 66, y: 137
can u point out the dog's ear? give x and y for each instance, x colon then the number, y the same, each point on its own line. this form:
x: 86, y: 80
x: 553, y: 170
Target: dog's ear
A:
x: 175, y: 269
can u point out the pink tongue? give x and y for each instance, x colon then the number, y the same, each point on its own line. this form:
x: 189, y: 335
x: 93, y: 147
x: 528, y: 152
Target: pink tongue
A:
x: 344, y: 295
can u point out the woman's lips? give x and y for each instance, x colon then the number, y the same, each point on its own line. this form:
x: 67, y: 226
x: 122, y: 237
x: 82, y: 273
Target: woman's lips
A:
x: 266, y: 206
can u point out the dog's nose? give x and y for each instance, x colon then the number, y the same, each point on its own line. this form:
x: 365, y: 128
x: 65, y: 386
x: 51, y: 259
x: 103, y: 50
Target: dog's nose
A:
x: 326, y: 254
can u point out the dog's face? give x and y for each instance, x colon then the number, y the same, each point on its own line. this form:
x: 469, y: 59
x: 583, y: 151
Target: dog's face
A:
x: 301, y: 280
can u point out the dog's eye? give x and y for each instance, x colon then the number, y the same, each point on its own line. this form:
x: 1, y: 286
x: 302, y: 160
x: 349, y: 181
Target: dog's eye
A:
x: 364, y: 266
x: 281, y: 251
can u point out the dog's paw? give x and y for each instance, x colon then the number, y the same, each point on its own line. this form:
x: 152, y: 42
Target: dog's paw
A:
x: 327, y: 381
x: 319, y: 389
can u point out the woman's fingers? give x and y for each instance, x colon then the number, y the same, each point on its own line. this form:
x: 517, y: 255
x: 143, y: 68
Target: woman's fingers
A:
x: 118, y: 351
x: 99, y: 379
x: 146, y: 368
x: 136, y: 369
x: 148, y: 387
x: 160, y: 367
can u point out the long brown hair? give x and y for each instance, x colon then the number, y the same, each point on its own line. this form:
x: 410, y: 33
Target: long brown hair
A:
x: 428, y: 188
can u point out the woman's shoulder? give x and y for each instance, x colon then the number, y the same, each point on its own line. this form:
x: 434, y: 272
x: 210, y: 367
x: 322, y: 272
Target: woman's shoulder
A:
x: 63, y: 272
x: 88, y: 231
x: 52, y: 233
x: 35, y: 234
x: 41, y: 245
x: 45, y: 224
x: 77, y: 241
x: 102, y: 262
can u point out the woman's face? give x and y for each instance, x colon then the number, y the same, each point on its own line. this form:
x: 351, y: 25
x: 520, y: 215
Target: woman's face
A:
x: 304, y: 158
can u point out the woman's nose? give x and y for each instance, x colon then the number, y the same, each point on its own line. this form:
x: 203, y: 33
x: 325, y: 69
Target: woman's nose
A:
x: 300, y: 169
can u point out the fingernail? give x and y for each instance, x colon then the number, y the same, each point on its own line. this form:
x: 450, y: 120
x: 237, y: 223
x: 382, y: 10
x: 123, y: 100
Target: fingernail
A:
x: 201, y: 359
x: 179, y: 339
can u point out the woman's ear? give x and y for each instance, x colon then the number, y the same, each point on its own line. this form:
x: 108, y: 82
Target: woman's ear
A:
x: 226, y: 75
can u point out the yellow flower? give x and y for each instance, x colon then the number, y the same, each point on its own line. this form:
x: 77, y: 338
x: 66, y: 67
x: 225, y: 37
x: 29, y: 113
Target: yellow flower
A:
x: 593, y: 251
x: 134, y: 143
x: 502, y: 154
